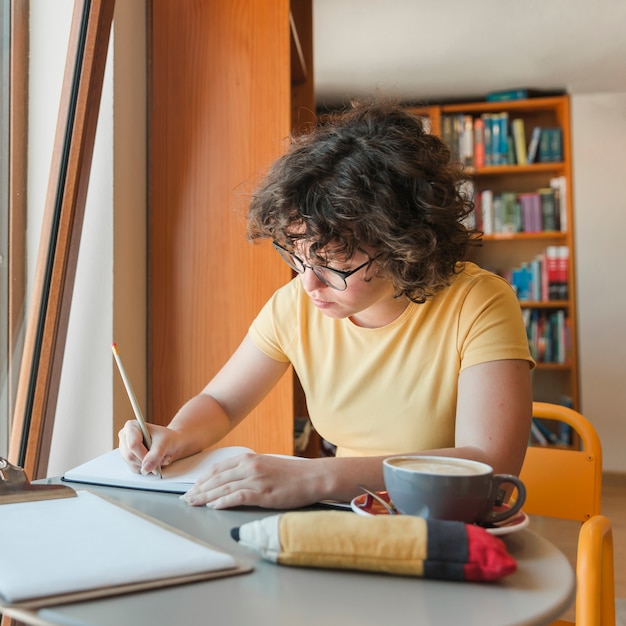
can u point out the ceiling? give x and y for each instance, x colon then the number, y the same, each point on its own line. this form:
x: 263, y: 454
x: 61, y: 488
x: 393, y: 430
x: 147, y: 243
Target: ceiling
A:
x: 444, y: 50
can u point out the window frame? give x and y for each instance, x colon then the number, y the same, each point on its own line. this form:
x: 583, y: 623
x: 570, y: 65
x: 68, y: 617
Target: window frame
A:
x: 47, y: 323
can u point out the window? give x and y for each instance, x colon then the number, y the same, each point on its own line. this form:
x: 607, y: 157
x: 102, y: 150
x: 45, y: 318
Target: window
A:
x: 31, y: 397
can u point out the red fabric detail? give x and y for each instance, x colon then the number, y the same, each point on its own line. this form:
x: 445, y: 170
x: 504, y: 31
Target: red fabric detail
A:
x: 488, y: 558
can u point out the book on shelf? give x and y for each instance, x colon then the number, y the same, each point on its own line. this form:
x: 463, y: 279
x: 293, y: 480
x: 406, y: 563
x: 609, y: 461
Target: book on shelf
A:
x: 457, y: 132
x: 530, y: 208
x: 541, y: 434
x: 506, y: 95
x: 466, y: 140
x: 468, y: 192
x: 479, y: 142
x: 563, y: 272
x: 533, y: 145
x: 544, y: 278
x: 536, y: 435
x: 557, y: 260
x: 497, y: 214
x: 550, y: 217
x: 548, y: 334
x: 499, y: 138
x: 556, y: 144
x: 511, y: 218
x: 521, y: 280
x: 548, y: 435
x: 543, y: 210
x: 553, y: 272
x: 510, y: 155
x: 487, y: 119
x: 517, y: 93
x: 551, y: 145
x: 519, y: 141
x: 559, y: 185
x: 487, y: 211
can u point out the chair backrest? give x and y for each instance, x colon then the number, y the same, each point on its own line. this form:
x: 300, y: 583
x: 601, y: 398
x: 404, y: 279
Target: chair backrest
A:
x: 595, y: 593
x: 563, y: 482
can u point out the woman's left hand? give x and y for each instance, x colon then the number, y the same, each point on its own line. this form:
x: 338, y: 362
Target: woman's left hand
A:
x: 276, y: 482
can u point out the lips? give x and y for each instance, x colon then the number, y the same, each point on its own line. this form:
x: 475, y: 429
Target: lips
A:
x: 322, y: 304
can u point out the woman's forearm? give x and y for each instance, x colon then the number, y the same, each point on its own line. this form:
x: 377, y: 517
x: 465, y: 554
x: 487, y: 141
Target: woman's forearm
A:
x: 201, y: 422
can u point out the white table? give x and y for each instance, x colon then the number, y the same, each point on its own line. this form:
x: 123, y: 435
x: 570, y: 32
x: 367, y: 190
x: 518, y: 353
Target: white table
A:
x: 541, y: 590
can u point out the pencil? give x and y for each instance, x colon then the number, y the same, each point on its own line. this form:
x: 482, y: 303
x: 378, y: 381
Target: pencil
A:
x: 147, y: 439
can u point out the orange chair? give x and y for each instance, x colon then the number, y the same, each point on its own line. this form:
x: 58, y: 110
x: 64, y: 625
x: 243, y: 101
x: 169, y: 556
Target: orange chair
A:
x: 567, y: 483
x: 562, y: 482
x: 595, y: 594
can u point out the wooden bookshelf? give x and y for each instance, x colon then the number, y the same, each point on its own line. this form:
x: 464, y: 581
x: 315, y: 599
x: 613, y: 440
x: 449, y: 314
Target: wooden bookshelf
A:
x: 555, y: 379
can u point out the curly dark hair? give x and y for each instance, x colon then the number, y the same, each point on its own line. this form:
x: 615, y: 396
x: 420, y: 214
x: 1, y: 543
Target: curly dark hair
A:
x: 371, y: 177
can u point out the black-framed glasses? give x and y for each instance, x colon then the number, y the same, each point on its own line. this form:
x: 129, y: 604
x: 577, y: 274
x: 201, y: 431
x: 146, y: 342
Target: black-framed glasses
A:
x: 329, y: 276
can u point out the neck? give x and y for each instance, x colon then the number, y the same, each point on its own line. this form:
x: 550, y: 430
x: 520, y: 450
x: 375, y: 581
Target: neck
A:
x: 381, y: 314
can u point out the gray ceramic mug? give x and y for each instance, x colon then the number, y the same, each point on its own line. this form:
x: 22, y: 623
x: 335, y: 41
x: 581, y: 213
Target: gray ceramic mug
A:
x: 449, y: 488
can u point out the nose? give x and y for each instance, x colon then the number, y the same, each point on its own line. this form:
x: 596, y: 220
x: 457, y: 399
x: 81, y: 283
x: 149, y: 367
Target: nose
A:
x: 310, y: 281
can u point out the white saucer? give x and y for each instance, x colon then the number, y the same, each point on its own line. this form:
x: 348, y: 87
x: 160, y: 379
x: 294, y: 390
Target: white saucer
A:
x: 367, y: 506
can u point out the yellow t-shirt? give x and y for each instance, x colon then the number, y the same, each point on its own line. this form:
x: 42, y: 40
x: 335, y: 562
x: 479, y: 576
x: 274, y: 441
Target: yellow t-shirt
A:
x: 391, y: 390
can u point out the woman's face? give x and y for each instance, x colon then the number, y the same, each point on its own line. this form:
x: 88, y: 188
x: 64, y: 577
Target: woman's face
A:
x: 367, y: 302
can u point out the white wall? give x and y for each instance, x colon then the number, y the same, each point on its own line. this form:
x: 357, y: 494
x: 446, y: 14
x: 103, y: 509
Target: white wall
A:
x: 599, y: 143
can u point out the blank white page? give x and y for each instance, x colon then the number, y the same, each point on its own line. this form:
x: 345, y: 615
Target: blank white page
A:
x: 77, y: 544
x: 110, y: 469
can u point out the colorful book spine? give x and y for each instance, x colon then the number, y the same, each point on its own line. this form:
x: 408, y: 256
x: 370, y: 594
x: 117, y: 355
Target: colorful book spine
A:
x: 555, y: 144
x: 521, y: 281
x: 551, y: 145
x: 552, y: 269
x: 563, y: 272
x: 533, y: 145
x: 559, y: 185
x: 530, y: 204
x: 479, y: 142
x: 487, y: 211
x: 519, y: 141
x: 507, y: 95
x: 487, y: 119
x: 548, y: 208
x: 466, y: 140
x: 548, y: 435
x: 501, y: 146
x: 511, y: 219
x: 548, y: 335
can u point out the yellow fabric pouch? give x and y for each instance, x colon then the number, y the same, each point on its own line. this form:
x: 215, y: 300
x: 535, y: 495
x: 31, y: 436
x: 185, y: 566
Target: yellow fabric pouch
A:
x: 400, y: 544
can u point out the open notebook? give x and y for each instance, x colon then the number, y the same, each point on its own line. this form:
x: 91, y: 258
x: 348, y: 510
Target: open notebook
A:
x: 111, y: 470
x: 67, y: 549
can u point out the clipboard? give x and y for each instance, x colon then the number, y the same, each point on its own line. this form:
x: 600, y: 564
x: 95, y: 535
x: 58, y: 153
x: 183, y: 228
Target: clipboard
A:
x: 63, y: 546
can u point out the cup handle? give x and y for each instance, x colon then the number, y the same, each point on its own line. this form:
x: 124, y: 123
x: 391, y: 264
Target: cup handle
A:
x: 492, y: 516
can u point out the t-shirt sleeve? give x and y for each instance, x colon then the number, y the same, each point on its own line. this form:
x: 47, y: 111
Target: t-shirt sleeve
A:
x: 491, y: 324
x: 274, y: 328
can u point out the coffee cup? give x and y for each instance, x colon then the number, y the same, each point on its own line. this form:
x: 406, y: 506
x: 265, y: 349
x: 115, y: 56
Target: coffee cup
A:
x: 450, y: 489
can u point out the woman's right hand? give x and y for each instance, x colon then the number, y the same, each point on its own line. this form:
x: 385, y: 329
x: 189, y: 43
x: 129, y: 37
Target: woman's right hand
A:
x: 137, y: 456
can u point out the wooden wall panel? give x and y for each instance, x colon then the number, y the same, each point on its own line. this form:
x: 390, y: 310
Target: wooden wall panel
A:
x: 219, y: 114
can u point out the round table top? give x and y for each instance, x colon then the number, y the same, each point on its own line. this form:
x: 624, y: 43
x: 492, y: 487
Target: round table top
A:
x: 539, y: 591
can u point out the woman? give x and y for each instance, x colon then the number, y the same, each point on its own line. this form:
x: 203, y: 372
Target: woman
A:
x: 400, y: 345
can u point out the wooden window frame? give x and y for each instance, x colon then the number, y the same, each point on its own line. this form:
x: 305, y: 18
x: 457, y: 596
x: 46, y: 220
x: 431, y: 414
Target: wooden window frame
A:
x: 46, y: 330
